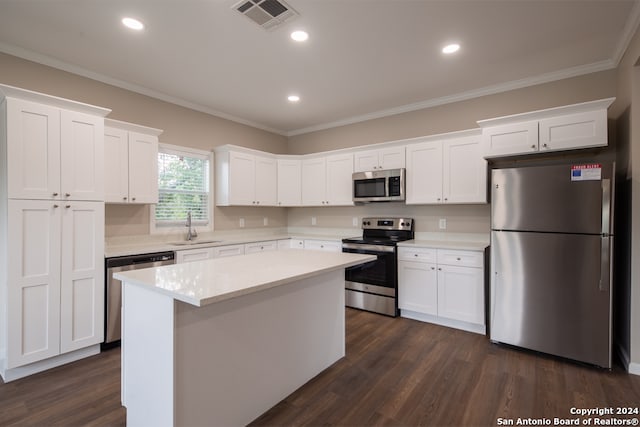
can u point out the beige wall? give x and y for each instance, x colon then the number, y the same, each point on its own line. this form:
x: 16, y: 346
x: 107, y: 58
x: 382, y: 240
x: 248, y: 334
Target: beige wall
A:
x: 627, y: 109
x: 460, y: 115
x: 182, y: 126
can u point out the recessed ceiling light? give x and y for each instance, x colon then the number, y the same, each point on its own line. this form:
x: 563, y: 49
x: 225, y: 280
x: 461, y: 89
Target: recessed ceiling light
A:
x: 299, y: 36
x: 132, y: 23
x: 293, y: 98
x: 451, y: 48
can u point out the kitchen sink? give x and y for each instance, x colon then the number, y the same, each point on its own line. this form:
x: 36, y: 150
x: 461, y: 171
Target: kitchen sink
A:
x: 194, y: 242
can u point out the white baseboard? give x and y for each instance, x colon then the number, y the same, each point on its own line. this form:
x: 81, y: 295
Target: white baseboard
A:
x: 634, y: 368
x: 457, y: 324
x: 43, y: 365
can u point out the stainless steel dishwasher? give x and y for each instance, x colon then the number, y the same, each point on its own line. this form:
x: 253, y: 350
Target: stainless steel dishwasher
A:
x: 113, y: 290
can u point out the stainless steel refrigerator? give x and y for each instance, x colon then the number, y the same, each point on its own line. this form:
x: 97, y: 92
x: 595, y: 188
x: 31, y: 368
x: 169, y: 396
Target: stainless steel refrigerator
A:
x: 551, y: 260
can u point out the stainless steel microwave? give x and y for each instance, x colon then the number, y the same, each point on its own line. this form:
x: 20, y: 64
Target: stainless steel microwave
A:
x: 378, y: 186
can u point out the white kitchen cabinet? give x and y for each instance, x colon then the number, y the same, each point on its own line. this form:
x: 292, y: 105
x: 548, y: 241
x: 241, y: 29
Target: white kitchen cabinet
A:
x: 131, y: 163
x: 323, y: 245
x: 327, y: 181
x: 245, y: 178
x: 290, y: 244
x: 227, y: 250
x: 377, y: 159
x: 270, y: 245
x: 289, y: 182
x: 82, y: 275
x: 418, y: 280
x: 555, y: 129
x: 56, y: 154
x: 446, y: 171
x: 55, y: 278
x: 51, y: 231
x: 197, y: 254
x: 442, y: 286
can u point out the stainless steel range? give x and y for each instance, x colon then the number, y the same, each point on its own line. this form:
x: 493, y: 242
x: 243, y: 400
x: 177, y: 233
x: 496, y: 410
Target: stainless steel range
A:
x: 374, y: 286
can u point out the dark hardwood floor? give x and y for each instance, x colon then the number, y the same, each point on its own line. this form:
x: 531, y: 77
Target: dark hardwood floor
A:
x: 397, y: 372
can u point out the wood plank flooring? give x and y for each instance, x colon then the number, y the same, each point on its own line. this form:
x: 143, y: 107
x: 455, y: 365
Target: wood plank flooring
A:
x: 397, y: 372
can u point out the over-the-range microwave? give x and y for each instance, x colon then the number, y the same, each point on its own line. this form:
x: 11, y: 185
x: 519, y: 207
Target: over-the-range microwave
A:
x: 378, y: 186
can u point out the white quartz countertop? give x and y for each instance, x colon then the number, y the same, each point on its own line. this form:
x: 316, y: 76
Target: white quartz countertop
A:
x: 205, y: 282
x: 445, y: 244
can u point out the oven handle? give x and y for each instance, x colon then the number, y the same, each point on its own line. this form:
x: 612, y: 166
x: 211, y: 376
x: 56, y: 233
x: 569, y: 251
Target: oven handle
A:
x: 365, y: 247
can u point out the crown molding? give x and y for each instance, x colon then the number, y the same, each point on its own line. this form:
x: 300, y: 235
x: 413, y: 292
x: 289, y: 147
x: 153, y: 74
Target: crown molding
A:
x: 74, y: 69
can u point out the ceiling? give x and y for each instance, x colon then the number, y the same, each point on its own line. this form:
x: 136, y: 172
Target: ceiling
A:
x: 363, y: 59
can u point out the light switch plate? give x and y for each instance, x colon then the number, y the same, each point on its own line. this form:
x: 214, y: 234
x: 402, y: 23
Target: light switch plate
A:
x: 442, y: 223
x: 241, y: 222
x: 354, y: 221
x: 265, y: 221
x: 314, y: 221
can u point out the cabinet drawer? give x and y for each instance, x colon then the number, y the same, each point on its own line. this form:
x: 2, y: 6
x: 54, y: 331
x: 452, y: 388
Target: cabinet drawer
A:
x: 417, y: 254
x: 460, y: 258
x: 323, y: 245
x: 190, y: 255
x: 271, y: 245
x: 224, y: 251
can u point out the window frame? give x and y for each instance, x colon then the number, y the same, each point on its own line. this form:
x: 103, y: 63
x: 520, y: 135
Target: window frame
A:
x: 179, y: 150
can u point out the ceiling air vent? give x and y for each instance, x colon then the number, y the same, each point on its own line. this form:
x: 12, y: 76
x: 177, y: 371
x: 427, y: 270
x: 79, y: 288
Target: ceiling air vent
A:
x: 269, y: 14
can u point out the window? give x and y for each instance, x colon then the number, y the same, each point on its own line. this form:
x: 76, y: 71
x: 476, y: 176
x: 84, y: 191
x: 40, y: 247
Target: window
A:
x: 183, y: 186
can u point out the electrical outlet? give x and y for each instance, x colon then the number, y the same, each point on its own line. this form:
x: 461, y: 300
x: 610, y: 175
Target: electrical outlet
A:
x: 241, y: 222
x: 354, y: 221
x: 265, y: 221
x: 442, y: 223
x: 314, y: 221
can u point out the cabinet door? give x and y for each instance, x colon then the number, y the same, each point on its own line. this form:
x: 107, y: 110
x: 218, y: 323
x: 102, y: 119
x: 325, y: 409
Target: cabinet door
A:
x: 81, y: 156
x: 289, y: 182
x: 418, y: 287
x: 190, y: 255
x: 290, y: 244
x: 464, y: 174
x: 33, y: 281
x: 392, y: 158
x: 82, y: 276
x: 461, y: 293
x: 340, y: 180
x: 266, y: 181
x: 580, y: 130
x: 116, y: 165
x: 366, y: 160
x: 424, y: 173
x: 511, y: 139
x: 242, y: 179
x: 143, y: 168
x: 33, y: 147
x: 314, y: 182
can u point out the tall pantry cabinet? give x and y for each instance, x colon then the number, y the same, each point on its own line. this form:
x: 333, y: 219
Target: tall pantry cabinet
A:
x: 51, y: 231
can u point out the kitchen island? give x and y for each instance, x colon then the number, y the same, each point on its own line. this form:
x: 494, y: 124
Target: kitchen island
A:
x: 219, y: 342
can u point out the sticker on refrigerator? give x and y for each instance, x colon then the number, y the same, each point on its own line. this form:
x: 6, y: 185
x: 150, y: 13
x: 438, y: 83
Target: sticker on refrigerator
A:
x: 590, y: 172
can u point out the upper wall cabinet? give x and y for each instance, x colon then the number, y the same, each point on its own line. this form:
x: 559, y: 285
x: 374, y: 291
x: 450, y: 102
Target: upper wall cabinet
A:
x: 54, y: 153
x: 245, y: 178
x: 446, y: 171
x: 131, y: 162
x: 383, y: 158
x: 327, y: 181
x: 289, y: 182
x: 565, y: 128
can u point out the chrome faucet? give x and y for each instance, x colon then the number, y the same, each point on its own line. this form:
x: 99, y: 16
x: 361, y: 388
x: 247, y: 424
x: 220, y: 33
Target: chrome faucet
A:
x: 192, y: 233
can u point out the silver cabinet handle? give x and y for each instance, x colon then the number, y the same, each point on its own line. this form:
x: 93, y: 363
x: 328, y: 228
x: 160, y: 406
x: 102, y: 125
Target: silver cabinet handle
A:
x: 545, y: 146
x: 55, y: 194
x: 458, y: 258
x: 124, y: 198
x: 67, y: 195
x: 55, y: 206
x: 67, y: 206
x: 134, y: 199
x: 533, y: 146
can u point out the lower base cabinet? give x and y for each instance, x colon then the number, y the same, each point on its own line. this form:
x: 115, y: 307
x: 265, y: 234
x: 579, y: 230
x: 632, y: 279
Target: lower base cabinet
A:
x: 52, y: 286
x: 442, y: 286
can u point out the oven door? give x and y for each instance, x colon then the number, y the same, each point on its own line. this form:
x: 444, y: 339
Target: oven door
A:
x: 379, y: 276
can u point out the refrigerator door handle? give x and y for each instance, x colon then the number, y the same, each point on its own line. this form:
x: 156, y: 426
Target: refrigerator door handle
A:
x: 606, y: 206
x: 605, y: 271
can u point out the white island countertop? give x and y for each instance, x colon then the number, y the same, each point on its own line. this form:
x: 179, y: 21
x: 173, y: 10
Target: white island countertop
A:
x: 201, y: 283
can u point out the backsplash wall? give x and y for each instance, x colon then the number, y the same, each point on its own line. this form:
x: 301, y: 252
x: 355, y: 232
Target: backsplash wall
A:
x: 459, y: 218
